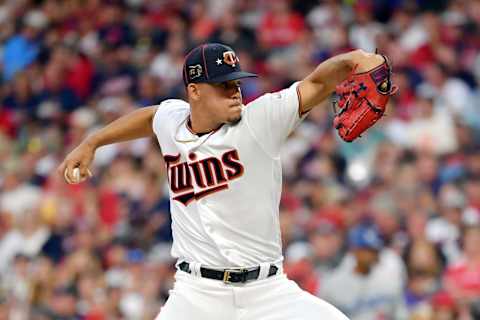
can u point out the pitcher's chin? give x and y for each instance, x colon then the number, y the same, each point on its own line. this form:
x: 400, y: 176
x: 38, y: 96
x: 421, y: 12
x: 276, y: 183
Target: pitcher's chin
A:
x: 235, y: 120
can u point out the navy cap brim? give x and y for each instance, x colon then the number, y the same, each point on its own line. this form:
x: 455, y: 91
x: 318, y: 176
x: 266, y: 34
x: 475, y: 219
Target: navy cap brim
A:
x: 231, y: 76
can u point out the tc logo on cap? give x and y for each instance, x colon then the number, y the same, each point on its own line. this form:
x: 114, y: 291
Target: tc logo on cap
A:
x: 230, y: 58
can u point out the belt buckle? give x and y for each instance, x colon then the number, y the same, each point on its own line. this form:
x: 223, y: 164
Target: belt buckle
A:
x: 226, y: 276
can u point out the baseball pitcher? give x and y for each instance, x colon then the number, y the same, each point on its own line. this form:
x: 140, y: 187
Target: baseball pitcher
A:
x: 225, y: 178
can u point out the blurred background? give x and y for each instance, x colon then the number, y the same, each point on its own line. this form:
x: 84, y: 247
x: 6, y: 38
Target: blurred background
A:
x: 387, y: 227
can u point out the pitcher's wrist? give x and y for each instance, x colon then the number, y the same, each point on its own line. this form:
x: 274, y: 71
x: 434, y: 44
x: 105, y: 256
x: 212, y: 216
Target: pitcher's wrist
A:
x: 92, y: 141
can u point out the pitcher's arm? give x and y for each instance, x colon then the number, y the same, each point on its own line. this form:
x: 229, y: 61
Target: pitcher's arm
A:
x: 137, y: 124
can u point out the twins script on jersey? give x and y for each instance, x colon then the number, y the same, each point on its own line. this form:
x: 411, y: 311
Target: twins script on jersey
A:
x: 211, y: 177
x: 211, y: 174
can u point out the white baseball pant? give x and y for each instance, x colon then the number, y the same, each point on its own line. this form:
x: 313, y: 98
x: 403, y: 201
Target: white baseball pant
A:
x: 273, y: 298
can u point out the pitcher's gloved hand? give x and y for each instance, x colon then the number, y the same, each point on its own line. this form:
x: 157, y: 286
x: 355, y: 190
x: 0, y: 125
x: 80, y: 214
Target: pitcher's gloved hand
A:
x: 362, y: 100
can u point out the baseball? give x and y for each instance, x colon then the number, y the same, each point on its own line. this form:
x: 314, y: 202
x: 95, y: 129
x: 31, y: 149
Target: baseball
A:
x: 76, y: 175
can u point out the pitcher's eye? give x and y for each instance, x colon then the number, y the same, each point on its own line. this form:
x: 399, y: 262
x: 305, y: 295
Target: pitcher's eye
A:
x: 232, y: 84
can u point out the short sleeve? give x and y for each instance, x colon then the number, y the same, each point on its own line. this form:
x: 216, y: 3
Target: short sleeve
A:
x: 157, y: 120
x: 164, y: 115
x: 272, y: 117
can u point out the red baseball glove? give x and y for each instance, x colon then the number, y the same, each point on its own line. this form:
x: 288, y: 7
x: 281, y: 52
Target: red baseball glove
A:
x: 362, y: 100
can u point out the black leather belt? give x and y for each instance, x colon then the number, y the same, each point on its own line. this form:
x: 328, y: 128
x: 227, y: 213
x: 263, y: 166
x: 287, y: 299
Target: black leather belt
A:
x: 230, y: 275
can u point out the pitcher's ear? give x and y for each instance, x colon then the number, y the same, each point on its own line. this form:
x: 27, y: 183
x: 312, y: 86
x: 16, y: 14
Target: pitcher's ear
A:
x: 193, y: 91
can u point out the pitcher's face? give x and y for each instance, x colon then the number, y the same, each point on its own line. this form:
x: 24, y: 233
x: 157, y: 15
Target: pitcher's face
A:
x: 221, y: 101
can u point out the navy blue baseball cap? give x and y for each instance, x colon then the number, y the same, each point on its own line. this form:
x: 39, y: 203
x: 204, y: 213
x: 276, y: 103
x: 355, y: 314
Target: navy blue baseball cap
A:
x: 365, y: 236
x: 212, y: 63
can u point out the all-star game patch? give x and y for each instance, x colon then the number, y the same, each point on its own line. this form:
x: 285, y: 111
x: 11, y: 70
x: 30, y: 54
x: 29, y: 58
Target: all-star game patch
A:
x: 195, y: 71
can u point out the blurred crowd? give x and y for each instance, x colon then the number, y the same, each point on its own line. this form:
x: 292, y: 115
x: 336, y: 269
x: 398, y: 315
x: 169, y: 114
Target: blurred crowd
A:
x: 387, y: 227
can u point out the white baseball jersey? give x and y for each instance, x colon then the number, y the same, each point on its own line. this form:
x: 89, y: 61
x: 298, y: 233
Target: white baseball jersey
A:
x: 225, y: 186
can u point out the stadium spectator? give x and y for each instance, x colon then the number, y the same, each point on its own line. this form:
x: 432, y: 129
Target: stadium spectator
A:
x: 373, y: 275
